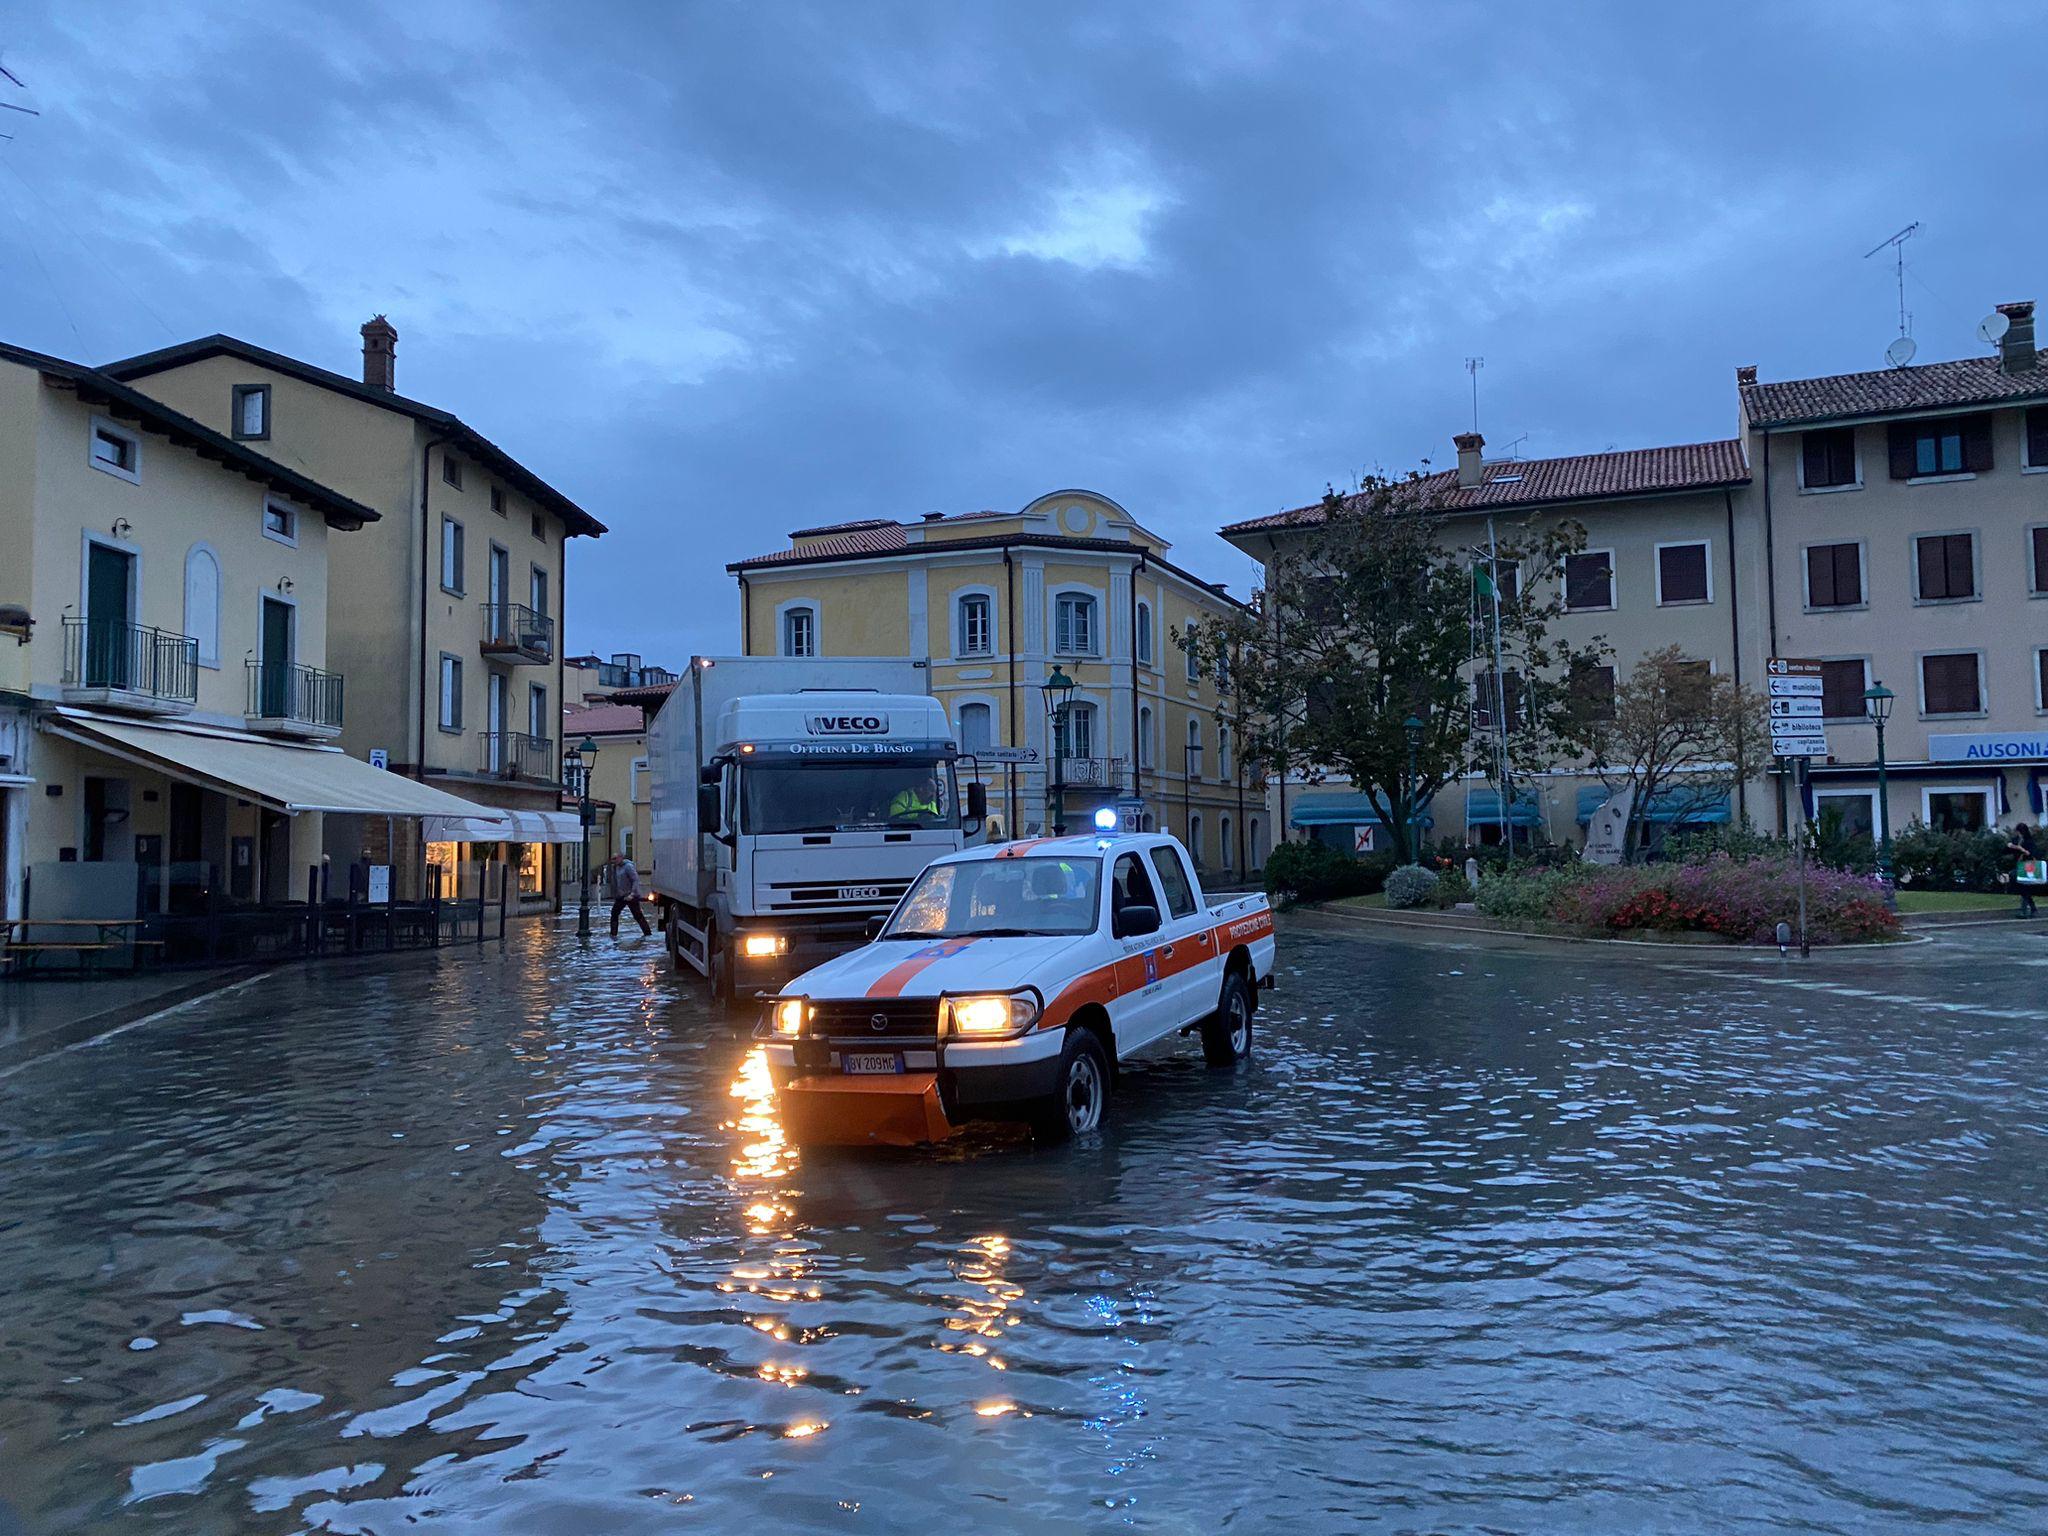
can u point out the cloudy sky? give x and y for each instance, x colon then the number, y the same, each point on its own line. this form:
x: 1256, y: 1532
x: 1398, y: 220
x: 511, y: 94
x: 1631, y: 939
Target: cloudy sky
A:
x: 719, y: 270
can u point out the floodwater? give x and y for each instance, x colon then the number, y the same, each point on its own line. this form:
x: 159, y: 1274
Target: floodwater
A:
x: 1535, y: 1239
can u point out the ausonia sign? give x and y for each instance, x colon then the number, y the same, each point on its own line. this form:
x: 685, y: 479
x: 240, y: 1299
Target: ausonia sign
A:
x: 1987, y: 747
x: 849, y: 725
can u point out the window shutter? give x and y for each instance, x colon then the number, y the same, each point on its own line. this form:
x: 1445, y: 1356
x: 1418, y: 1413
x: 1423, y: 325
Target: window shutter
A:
x: 1815, y: 448
x: 1977, y: 443
x: 2037, y: 437
x: 1900, y: 440
x: 1928, y: 553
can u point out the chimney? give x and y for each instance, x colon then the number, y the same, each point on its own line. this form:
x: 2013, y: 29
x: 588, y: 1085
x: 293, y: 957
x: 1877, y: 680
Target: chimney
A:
x: 2016, y: 347
x: 380, y: 353
x: 1745, y: 375
x: 1469, y: 444
x: 935, y: 517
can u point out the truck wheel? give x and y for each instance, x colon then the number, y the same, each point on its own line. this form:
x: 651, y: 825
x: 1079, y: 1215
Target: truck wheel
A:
x: 1227, y: 1033
x: 718, y: 968
x: 672, y: 935
x: 1081, y: 1096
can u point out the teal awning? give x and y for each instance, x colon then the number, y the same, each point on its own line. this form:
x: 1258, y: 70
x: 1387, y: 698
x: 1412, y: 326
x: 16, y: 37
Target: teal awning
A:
x: 1482, y: 809
x: 1694, y: 807
x: 1334, y: 808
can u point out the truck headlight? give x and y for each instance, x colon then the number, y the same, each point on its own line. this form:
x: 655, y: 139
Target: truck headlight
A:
x: 789, y: 1014
x: 1000, y: 1013
x: 763, y: 946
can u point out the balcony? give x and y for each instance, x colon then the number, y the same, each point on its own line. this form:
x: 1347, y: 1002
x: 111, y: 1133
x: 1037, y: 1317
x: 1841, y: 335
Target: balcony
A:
x: 286, y: 699
x: 130, y: 666
x: 516, y: 633
x: 1094, y: 772
x: 516, y: 755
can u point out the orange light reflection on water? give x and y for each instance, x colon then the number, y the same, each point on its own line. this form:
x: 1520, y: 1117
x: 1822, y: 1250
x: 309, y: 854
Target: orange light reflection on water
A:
x: 987, y: 1314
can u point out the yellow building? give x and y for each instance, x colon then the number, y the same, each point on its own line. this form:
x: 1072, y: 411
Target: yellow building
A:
x: 456, y: 595
x: 991, y: 602
x: 170, y: 697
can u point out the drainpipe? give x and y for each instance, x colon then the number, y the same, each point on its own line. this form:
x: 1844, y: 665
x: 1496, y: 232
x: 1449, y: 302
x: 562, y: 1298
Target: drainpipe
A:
x: 1771, y: 601
x: 1735, y: 633
x: 419, y: 756
x: 1279, y: 833
x: 746, y: 616
x: 1137, y: 743
x: 1010, y: 645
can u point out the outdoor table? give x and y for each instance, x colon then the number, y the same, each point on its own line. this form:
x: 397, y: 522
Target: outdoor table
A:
x: 109, y: 933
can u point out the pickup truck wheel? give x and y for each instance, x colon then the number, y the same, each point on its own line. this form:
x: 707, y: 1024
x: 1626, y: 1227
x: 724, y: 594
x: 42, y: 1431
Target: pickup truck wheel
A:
x: 1081, y: 1096
x: 1227, y: 1034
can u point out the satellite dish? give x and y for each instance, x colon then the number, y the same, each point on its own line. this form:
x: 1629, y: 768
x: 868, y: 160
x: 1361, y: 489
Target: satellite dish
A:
x: 1900, y: 352
x: 1992, y: 327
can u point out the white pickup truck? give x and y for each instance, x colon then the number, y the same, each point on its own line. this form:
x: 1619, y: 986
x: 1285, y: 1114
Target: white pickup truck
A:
x: 1009, y: 983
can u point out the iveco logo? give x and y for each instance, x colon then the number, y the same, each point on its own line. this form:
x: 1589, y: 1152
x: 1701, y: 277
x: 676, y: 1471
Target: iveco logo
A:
x: 878, y: 1022
x: 849, y: 725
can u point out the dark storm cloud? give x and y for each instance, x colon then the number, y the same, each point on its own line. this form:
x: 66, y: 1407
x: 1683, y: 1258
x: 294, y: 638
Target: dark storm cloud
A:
x: 722, y: 270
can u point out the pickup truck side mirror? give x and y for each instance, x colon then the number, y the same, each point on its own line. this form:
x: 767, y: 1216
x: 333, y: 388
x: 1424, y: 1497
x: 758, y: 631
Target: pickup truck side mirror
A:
x: 875, y: 925
x: 1134, y: 922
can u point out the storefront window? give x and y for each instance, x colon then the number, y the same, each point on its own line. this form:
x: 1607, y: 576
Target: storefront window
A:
x: 441, y: 867
x: 1959, y: 810
x: 527, y: 857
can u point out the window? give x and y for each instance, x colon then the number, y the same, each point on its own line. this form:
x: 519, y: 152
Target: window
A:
x: 800, y: 632
x: 1947, y: 566
x: 1195, y: 839
x: 1687, y: 682
x: 1080, y: 730
x: 451, y: 692
x: 1951, y: 445
x: 1222, y: 750
x: 1129, y: 885
x: 249, y: 410
x: 1074, y: 625
x: 1828, y: 458
x: 1956, y: 810
x: 1223, y: 671
x: 977, y: 728
x: 1507, y: 580
x: 1593, y: 691
x: 626, y: 841
x: 2037, y: 545
x: 1227, y: 856
x: 528, y: 856
x: 1509, y: 694
x: 1180, y: 893
x: 1682, y: 574
x: 1950, y: 685
x: 537, y: 589
x: 1192, y: 763
x: 537, y: 712
x: 637, y: 783
x: 451, y: 469
x: 1589, y: 580
x: 280, y: 522
x: 1146, y: 737
x: 2041, y: 679
x: 1144, y: 634
x: 1194, y: 659
x: 1834, y: 575
x: 498, y: 500
x: 2037, y: 437
x: 1857, y: 809
x: 115, y: 451
x: 202, y: 602
x: 1841, y: 689
x: 977, y: 631
x: 451, y: 554
x: 540, y: 527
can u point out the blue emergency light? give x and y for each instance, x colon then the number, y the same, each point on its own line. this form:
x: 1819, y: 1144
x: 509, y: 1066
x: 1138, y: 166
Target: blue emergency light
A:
x: 1105, y: 819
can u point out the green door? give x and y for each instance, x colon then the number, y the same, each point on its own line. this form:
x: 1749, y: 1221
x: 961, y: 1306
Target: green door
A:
x: 109, y: 661
x: 277, y: 700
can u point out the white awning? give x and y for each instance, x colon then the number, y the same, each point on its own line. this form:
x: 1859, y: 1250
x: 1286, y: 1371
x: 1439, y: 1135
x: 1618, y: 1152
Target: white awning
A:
x: 503, y: 827
x: 286, y: 776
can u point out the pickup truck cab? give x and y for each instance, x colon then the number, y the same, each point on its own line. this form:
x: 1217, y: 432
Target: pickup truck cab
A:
x: 1009, y: 983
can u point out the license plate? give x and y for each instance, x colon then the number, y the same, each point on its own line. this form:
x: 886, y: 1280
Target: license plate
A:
x: 857, y: 1062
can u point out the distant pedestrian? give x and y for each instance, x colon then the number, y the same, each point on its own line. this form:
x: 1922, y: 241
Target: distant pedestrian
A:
x: 626, y: 892
x: 2024, y: 853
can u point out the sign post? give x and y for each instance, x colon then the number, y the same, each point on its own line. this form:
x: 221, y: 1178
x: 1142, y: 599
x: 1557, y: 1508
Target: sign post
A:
x: 1793, y: 686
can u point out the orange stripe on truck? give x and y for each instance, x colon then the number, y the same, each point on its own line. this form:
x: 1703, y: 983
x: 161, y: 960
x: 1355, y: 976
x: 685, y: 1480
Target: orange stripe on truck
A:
x: 892, y: 981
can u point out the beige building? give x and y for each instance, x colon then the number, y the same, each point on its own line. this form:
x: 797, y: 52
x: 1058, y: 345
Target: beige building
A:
x: 170, y: 699
x: 990, y: 603
x: 451, y: 633
x: 1887, y: 524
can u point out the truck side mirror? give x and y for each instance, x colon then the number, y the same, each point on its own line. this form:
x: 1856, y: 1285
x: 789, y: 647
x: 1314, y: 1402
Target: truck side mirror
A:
x: 977, y: 800
x: 709, y: 773
x: 707, y: 807
x: 1134, y: 922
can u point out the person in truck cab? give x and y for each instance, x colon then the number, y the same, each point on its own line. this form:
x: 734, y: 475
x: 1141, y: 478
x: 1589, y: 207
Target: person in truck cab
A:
x: 915, y: 802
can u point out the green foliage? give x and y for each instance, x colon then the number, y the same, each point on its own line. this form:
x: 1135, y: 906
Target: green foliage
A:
x: 1951, y: 861
x: 1838, y: 848
x: 1412, y: 886
x: 1524, y: 894
x: 1733, y: 900
x: 1314, y: 871
x: 1452, y: 887
x: 1741, y: 841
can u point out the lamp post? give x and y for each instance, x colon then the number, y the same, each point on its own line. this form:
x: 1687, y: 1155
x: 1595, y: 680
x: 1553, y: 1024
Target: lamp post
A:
x: 1412, y: 729
x: 1877, y: 703
x: 581, y: 760
x: 1058, y: 689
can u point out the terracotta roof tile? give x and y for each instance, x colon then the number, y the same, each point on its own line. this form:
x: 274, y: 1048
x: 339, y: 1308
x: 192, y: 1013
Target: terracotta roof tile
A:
x: 1891, y: 391
x: 601, y: 719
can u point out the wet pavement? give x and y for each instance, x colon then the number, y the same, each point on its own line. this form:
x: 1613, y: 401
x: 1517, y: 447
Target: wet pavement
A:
x: 1529, y: 1238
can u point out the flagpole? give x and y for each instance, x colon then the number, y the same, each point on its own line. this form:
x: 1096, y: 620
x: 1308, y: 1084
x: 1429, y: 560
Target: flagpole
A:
x: 1507, y: 789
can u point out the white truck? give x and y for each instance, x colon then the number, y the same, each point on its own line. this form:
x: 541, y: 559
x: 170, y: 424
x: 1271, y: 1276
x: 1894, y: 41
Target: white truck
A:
x: 1010, y: 983
x: 792, y: 802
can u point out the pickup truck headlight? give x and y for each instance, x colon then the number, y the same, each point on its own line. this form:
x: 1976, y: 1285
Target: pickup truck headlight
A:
x: 788, y: 1014
x: 1000, y: 1013
x: 762, y: 946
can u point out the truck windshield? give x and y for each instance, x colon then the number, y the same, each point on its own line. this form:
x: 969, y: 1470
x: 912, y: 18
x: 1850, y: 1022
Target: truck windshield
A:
x: 846, y: 797
x: 983, y: 898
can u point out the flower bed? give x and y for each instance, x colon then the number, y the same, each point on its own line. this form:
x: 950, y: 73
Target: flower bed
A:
x: 1739, y: 901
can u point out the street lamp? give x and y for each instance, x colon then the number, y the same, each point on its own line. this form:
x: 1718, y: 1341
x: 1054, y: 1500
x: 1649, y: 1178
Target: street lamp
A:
x: 1412, y: 728
x: 1058, y: 689
x: 580, y: 762
x: 1877, y: 703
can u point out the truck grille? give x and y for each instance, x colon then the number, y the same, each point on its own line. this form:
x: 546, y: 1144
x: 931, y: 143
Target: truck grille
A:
x: 867, y: 895
x: 855, y: 1017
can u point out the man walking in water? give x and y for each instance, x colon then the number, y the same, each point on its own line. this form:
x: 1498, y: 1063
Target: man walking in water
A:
x: 626, y: 893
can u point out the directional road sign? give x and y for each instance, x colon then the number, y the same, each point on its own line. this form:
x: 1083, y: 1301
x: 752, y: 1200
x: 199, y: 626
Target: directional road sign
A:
x: 1794, y: 709
x: 1792, y: 677
x: 1004, y: 754
x: 1794, y: 686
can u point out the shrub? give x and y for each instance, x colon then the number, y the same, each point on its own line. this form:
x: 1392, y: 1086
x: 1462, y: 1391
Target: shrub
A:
x: 1452, y: 887
x: 1317, y: 872
x: 1737, y: 840
x: 1740, y: 901
x: 1525, y: 894
x: 1951, y: 861
x: 1412, y: 886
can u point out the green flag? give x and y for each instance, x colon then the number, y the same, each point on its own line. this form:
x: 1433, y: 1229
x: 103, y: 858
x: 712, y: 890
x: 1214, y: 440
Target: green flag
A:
x: 1482, y: 580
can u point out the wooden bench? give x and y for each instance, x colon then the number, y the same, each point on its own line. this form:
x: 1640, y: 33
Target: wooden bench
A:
x: 86, y: 950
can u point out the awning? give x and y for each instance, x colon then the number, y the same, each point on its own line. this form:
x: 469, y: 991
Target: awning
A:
x: 283, y: 775
x: 503, y: 827
x: 1342, y: 809
x: 1693, y: 807
x: 1482, y: 809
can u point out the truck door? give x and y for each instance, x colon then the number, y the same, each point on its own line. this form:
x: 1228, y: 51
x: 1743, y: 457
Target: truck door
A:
x: 1139, y: 1011
x: 1187, y: 951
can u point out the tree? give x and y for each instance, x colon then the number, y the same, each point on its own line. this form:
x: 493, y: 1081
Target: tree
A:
x: 1676, y: 726
x: 1370, y: 618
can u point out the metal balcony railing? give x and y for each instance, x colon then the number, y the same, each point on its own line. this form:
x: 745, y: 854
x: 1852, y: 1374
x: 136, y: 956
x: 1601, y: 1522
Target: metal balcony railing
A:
x: 1093, y: 772
x: 131, y: 658
x: 514, y: 628
x: 294, y: 694
x: 516, y: 755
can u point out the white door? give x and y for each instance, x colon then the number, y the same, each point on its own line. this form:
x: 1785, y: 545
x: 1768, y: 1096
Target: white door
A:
x: 1187, y: 952
x: 1139, y: 1012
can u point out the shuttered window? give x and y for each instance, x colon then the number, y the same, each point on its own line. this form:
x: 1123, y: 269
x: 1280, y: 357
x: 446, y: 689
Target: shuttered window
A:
x: 1948, y: 684
x: 1589, y: 580
x: 1834, y: 575
x: 1948, y: 445
x: 1841, y: 689
x: 2037, y: 437
x: 2038, y: 538
x: 1829, y: 457
x: 1682, y: 573
x: 1947, y: 566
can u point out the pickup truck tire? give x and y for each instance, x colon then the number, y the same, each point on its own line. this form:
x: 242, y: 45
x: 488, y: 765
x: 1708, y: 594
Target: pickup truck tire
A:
x: 1227, y: 1033
x: 1081, y: 1095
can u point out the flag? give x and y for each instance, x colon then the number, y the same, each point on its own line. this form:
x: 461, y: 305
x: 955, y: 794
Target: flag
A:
x: 1482, y: 581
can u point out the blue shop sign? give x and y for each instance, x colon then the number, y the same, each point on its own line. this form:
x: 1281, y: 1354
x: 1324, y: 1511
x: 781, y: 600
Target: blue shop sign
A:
x: 1987, y: 747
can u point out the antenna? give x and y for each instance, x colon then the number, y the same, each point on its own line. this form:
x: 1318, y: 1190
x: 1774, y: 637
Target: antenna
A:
x: 1514, y: 449
x: 1897, y: 246
x: 1472, y: 366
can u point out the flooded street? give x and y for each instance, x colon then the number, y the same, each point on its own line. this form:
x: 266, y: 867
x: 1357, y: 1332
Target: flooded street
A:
x: 1536, y: 1239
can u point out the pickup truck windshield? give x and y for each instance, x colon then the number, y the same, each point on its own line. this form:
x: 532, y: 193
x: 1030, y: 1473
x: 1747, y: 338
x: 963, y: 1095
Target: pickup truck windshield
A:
x: 984, y: 898
x: 846, y: 797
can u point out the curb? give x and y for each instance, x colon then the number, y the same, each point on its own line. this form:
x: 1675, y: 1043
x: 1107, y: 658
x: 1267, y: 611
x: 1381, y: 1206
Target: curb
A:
x: 1480, y: 926
x: 109, y: 1021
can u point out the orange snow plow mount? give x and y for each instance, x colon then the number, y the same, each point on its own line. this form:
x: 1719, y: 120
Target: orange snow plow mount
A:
x: 835, y: 1111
